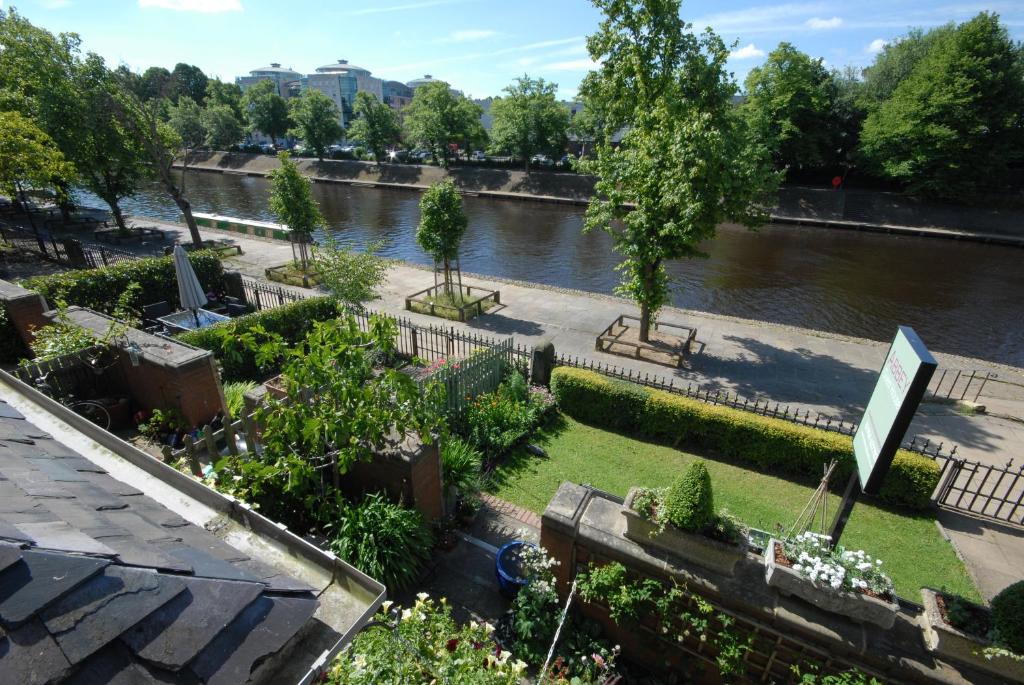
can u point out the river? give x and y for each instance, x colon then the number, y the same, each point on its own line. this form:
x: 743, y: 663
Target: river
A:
x: 961, y: 297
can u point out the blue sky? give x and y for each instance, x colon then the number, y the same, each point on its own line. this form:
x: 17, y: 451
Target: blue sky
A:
x: 478, y: 46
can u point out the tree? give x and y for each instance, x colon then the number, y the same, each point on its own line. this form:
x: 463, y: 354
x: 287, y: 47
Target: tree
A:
x: 529, y: 119
x: 291, y: 200
x: 229, y: 94
x: 952, y: 126
x: 28, y: 157
x: 790, y: 101
x: 187, y: 121
x: 188, y: 80
x: 351, y: 277
x: 266, y: 111
x: 109, y: 159
x: 223, y: 127
x: 442, y: 224
x: 589, y: 125
x: 154, y: 84
x: 316, y: 121
x: 161, y: 143
x: 896, y: 62
x: 687, y: 161
x: 376, y: 124
x: 437, y: 116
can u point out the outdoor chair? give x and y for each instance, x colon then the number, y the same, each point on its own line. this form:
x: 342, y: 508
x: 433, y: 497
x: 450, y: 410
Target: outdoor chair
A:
x: 152, y: 312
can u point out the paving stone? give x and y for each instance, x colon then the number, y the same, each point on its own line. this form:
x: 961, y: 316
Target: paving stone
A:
x: 59, y: 535
x: 176, y: 632
x: 55, y: 574
x: 261, y: 629
x: 105, y: 606
x: 29, y: 655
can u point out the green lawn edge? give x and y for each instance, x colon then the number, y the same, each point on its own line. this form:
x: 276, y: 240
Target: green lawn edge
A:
x: 913, y: 550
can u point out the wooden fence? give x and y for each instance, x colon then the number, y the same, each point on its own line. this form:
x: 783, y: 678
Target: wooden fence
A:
x: 479, y: 373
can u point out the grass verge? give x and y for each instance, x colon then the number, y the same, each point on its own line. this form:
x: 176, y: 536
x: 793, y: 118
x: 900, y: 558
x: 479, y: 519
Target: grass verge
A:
x: 914, y: 553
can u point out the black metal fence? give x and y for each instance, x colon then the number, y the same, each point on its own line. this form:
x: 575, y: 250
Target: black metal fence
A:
x: 66, y: 251
x: 995, y: 492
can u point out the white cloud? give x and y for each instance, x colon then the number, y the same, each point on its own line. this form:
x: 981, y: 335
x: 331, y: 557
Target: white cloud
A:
x: 405, y: 7
x: 585, y: 64
x: 762, y: 18
x: 819, y: 23
x: 467, y: 36
x: 469, y: 57
x: 204, y: 6
x: 876, y: 46
x: 749, y: 51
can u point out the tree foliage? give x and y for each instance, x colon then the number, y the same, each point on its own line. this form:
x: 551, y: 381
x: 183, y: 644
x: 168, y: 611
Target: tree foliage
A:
x: 437, y: 116
x: 189, y: 81
x: 442, y: 225
x: 529, y: 120
x: 28, y: 156
x: 229, y: 94
x: 351, y: 277
x: 222, y: 126
x: 687, y: 162
x: 896, y: 62
x: 790, y: 102
x: 291, y: 200
x: 952, y: 126
x: 266, y: 111
x: 316, y: 121
x: 376, y: 124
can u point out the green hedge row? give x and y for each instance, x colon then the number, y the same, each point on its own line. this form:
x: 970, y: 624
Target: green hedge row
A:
x: 99, y: 289
x: 770, y: 444
x: 292, y: 321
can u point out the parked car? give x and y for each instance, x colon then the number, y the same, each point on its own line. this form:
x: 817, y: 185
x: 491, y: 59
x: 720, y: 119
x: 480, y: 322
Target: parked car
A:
x: 566, y: 161
x: 267, y: 148
x: 542, y: 161
x: 398, y: 155
x: 478, y: 156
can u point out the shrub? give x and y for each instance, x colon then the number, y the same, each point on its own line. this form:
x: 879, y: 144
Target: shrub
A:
x: 462, y: 464
x: 1008, y: 617
x: 770, y: 444
x: 99, y: 289
x: 690, y: 504
x: 234, y: 397
x: 383, y: 540
x: 292, y: 322
x: 495, y: 421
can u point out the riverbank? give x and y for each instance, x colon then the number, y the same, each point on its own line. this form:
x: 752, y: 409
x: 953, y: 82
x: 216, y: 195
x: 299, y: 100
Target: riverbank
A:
x: 844, y: 209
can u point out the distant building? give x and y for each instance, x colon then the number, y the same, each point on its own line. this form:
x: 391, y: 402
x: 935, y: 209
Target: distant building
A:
x: 341, y: 81
x: 286, y: 80
x: 417, y: 83
x: 397, y: 94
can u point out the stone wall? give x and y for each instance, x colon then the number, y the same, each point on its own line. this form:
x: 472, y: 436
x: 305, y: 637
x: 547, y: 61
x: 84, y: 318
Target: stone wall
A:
x: 582, y: 525
x: 408, y: 470
x: 26, y: 309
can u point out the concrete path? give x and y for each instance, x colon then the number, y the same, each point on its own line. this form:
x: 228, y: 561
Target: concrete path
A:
x: 992, y: 553
x: 810, y: 370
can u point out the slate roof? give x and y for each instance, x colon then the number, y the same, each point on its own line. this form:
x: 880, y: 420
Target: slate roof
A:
x: 99, y: 583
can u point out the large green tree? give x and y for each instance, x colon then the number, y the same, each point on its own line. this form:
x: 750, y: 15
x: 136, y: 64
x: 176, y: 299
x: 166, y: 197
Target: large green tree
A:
x: 188, y: 80
x: 529, y: 120
x: 376, y: 124
x: 110, y: 161
x: 266, y: 111
x: 437, y: 117
x: 154, y: 84
x: 790, y: 102
x: 222, y: 125
x: 896, y: 62
x: 28, y: 158
x: 229, y: 94
x: 186, y: 118
x: 442, y: 225
x: 952, y: 126
x: 316, y: 121
x: 291, y: 200
x: 687, y: 161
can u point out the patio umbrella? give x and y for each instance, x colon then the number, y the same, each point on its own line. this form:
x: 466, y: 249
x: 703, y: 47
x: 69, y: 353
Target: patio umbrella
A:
x: 189, y: 291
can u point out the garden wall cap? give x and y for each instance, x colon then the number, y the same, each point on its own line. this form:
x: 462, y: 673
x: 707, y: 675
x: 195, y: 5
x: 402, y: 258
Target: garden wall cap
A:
x: 115, y: 567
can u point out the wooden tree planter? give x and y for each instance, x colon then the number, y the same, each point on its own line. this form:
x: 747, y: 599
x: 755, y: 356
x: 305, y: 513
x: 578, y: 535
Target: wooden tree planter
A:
x: 720, y: 557
x: 855, y: 605
x: 668, y: 349
x: 115, y: 236
x: 288, y: 274
x: 947, y: 642
x: 476, y: 302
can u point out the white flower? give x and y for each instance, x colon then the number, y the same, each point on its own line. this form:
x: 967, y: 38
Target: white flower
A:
x: 423, y: 596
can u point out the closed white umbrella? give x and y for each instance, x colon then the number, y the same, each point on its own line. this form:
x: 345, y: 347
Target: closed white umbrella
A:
x: 189, y: 291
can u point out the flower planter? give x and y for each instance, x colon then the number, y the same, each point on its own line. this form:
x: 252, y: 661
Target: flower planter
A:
x: 508, y: 568
x: 947, y: 642
x: 713, y: 555
x: 289, y: 275
x: 857, y: 606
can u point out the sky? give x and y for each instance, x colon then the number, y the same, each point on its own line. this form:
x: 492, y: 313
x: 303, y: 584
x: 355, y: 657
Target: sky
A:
x: 478, y: 46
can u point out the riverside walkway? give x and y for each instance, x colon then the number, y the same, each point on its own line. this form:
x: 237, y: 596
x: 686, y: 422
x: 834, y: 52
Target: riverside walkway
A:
x: 823, y: 372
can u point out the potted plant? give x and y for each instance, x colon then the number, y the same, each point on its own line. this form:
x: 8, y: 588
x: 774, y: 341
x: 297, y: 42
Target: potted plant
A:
x: 991, y: 640
x: 835, y: 579
x: 682, y: 521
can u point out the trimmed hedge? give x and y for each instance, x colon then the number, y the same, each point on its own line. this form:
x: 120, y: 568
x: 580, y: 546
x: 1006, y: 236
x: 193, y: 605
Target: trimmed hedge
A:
x: 99, y: 289
x: 1008, y: 617
x: 690, y: 503
x: 767, y: 443
x: 292, y: 321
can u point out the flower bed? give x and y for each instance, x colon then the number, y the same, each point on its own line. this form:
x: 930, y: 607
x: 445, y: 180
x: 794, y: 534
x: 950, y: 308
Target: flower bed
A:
x: 841, y: 581
x: 957, y: 630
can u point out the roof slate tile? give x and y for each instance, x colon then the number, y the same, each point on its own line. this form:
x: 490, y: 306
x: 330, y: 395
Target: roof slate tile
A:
x: 56, y: 574
x: 29, y: 655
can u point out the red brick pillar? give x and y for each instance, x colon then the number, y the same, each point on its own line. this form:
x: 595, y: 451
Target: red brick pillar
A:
x: 558, y: 529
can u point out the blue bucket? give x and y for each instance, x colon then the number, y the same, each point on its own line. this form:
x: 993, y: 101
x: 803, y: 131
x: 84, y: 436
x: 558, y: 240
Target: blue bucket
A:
x: 508, y: 567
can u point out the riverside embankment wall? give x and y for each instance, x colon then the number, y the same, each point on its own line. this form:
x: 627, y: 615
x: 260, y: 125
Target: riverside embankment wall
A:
x: 848, y: 209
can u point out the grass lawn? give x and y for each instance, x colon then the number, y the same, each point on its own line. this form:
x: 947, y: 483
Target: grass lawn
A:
x: 912, y: 550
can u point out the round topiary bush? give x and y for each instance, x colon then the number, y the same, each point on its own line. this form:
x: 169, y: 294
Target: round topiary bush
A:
x: 1008, y: 617
x: 689, y: 504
